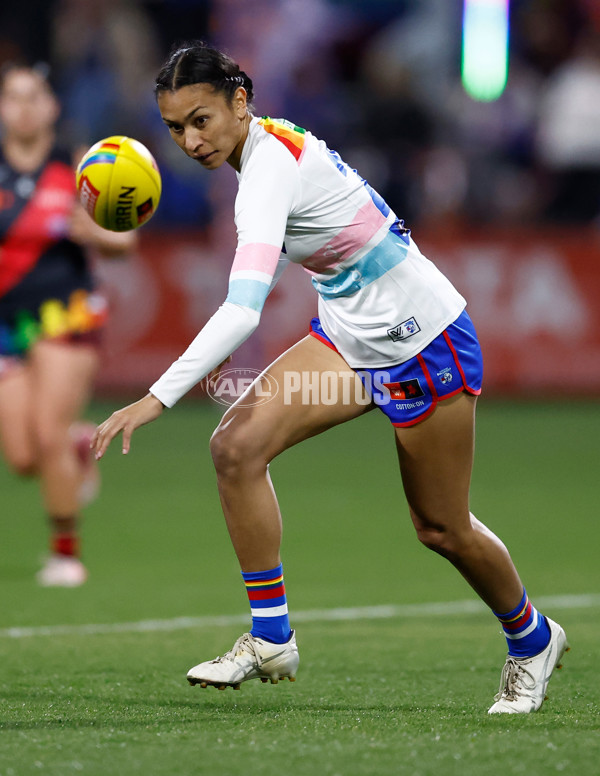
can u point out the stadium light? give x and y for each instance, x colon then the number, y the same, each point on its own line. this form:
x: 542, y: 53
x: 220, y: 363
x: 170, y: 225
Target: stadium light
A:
x: 485, y: 48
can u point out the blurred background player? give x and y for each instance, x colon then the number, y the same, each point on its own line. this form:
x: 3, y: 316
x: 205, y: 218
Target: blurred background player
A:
x: 51, y: 317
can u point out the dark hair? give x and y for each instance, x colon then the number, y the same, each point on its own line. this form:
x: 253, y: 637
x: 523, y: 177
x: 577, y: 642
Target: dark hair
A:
x: 197, y: 63
x: 41, y: 69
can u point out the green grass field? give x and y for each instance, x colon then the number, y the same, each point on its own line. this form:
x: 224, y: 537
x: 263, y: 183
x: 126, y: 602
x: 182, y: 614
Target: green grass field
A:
x: 403, y: 693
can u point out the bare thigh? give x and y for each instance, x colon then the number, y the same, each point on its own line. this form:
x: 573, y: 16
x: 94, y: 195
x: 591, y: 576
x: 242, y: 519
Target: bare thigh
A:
x: 62, y: 376
x: 16, y: 433
x: 436, y: 461
x: 293, y: 415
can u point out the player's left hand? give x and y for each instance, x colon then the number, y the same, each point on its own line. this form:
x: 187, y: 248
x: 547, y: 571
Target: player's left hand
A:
x: 126, y: 420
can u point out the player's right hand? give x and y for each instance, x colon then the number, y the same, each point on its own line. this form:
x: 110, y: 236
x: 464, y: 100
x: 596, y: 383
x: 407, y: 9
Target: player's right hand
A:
x: 126, y: 420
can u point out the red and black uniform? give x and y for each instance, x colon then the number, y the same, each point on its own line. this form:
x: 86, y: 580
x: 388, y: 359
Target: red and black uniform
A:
x: 46, y: 285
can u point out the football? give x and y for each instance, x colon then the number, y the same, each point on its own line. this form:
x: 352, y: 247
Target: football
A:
x: 119, y: 183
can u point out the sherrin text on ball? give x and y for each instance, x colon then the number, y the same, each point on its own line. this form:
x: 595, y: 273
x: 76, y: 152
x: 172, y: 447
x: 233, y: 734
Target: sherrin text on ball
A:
x: 119, y: 183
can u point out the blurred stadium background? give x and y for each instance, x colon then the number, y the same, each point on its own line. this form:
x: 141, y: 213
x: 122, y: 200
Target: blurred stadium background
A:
x: 504, y: 195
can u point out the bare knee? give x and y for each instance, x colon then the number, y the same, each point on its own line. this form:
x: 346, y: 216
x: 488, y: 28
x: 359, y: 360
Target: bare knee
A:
x: 22, y: 463
x: 19, y: 451
x: 53, y: 441
x: 26, y: 468
x: 449, y: 539
x: 236, y: 451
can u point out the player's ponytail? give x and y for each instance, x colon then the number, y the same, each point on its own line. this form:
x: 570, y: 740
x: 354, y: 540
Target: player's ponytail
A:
x: 197, y: 63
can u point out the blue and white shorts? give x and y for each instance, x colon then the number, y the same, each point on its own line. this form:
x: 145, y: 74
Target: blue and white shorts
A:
x: 407, y: 393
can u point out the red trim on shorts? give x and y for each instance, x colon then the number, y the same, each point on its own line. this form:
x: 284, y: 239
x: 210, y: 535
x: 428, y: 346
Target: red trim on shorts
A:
x: 466, y: 387
x: 434, y: 402
x: 92, y: 338
x: 435, y: 397
x: 323, y: 340
x: 423, y: 365
x: 414, y: 421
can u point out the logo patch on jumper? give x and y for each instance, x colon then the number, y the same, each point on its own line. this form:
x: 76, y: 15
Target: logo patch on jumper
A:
x: 405, y: 390
x: 445, y: 375
x: 404, y: 330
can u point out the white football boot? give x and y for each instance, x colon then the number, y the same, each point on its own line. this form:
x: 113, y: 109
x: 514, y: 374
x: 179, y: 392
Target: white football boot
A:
x: 62, y: 571
x: 249, y: 658
x: 524, y: 679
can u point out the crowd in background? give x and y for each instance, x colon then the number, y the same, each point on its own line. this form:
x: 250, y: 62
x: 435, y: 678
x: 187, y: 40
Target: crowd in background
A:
x: 378, y: 79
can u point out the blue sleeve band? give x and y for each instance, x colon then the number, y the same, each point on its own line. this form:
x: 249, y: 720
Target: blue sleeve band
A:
x: 248, y: 293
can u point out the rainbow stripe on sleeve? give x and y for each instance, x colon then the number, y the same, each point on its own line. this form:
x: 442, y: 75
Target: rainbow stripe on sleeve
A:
x: 289, y: 134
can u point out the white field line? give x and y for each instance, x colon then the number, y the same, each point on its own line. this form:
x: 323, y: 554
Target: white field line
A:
x: 385, y: 612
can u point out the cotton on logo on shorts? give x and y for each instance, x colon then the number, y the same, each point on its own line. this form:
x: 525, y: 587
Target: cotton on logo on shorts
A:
x: 231, y: 384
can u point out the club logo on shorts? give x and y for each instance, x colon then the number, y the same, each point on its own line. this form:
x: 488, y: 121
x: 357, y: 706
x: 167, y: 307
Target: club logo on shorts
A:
x: 405, y: 390
x: 404, y: 330
x: 445, y: 375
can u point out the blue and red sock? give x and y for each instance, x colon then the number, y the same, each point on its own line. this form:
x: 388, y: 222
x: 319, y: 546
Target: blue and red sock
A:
x: 526, y: 630
x: 268, y: 604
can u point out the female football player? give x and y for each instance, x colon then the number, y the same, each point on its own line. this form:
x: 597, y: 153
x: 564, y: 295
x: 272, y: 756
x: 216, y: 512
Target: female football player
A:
x: 389, y: 321
x: 50, y: 315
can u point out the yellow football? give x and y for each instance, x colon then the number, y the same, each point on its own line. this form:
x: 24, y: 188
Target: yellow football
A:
x: 119, y: 183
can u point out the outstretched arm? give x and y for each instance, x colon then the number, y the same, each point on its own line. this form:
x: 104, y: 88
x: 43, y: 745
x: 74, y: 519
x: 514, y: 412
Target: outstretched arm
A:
x: 264, y: 202
x: 228, y: 328
x: 222, y: 334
